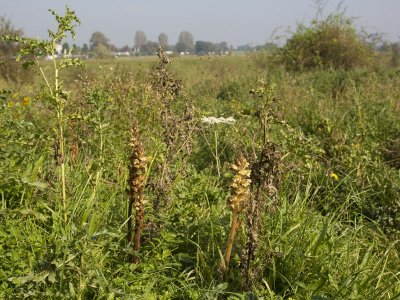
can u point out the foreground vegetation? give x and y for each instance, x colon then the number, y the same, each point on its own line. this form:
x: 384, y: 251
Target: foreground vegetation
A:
x: 299, y: 169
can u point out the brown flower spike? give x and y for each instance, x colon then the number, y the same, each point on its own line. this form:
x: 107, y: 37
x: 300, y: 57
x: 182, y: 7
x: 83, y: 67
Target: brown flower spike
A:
x: 240, y: 194
x: 137, y: 172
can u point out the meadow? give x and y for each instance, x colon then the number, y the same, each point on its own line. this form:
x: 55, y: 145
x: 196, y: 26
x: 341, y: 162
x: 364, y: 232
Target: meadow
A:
x: 216, y: 177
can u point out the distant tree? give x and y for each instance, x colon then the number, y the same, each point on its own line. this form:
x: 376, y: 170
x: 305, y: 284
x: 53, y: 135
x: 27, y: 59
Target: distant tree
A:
x: 125, y: 49
x: 113, y: 48
x: 221, y: 47
x: 101, y: 52
x: 180, y: 47
x: 163, y: 40
x: 85, y: 49
x: 97, y: 39
x: 140, y: 40
x: 186, y: 38
x: 203, y: 48
x: 76, y: 50
x: 65, y: 48
x: 149, y: 48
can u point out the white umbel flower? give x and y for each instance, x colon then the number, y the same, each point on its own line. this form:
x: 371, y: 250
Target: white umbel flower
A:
x: 220, y: 120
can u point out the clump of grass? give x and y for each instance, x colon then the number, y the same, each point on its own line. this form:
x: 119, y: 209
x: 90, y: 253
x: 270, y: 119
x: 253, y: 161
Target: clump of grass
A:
x: 137, y: 171
x: 239, y: 199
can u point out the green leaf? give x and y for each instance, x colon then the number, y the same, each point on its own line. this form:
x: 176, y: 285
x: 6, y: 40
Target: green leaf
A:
x: 38, y: 184
x: 52, y: 277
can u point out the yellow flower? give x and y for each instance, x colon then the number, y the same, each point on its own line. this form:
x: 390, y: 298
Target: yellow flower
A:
x: 26, y: 101
x: 334, y: 176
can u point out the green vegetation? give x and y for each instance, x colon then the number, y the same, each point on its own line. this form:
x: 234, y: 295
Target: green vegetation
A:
x: 329, y: 43
x: 207, y: 178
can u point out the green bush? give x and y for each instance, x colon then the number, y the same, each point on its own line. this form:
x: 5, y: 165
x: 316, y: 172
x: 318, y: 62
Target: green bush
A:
x: 329, y: 43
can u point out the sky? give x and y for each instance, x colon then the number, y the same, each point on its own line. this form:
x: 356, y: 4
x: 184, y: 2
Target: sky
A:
x: 237, y: 22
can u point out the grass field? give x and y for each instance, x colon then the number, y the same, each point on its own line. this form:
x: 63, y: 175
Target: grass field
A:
x: 317, y: 205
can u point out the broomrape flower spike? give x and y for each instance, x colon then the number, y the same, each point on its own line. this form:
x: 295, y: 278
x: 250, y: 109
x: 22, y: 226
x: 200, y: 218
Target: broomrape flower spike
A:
x: 137, y: 171
x: 240, y: 185
x: 240, y: 195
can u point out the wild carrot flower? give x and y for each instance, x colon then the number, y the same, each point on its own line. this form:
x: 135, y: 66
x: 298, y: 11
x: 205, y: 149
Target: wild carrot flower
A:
x: 212, y: 121
x: 220, y: 120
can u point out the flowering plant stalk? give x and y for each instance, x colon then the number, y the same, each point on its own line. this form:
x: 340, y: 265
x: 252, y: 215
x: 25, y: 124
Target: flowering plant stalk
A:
x: 34, y: 49
x: 137, y: 172
x: 216, y: 121
x: 240, y: 194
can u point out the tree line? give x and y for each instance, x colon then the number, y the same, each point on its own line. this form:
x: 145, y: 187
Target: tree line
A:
x: 100, y: 46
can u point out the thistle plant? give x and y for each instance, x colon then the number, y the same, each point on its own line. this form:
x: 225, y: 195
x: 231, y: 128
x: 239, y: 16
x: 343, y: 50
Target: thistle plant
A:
x: 32, y: 51
x: 238, y: 201
x: 137, y: 172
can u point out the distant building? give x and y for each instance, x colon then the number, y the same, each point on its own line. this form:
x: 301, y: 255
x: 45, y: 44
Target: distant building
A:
x: 121, y: 54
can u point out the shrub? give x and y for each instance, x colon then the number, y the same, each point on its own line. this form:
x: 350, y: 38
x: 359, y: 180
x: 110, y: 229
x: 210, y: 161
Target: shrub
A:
x: 330, y: 43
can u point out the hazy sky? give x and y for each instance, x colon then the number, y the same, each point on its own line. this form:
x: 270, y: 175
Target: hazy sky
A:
x: 237, y: 22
